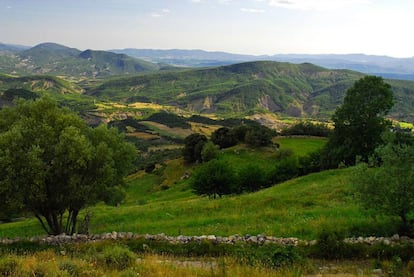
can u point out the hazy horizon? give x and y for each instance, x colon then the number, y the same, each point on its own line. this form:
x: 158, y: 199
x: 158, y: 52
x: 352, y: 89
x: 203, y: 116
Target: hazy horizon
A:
x: 252, y: 27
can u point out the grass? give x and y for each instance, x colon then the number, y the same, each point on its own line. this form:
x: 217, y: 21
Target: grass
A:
x: 299, y: 208
x: 163, y: 203
x: 50, y: 263
x: 301, y: 146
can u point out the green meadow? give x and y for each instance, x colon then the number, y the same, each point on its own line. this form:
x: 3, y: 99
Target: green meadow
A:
x: 161, y: 202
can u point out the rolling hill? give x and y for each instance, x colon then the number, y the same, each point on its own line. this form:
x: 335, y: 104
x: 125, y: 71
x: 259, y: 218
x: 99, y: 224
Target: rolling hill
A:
x: 55, y: 59
x: 387, y: 67
x: 303, y: 90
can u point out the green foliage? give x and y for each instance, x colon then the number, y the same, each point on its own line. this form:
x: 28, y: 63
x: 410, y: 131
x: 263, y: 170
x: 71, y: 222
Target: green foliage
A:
x: 210, y: 151
x: 252, y: 178
x: 359, y: 122
x: 307, y: 128
x: 259, y: 136
x: 389, y: 189
x: 169, y: 119
x: 193, y: 145
x: 9, y: 266
x: 116, y: 257
x: 224, y: 138
x: 15, y: 93
x: 123, y: 124
x: 285, y: 169
x: 53, y: 164
x: 214, y: 178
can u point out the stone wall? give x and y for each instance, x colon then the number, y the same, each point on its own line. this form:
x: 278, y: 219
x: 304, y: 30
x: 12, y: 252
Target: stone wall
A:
x: 258, y: 239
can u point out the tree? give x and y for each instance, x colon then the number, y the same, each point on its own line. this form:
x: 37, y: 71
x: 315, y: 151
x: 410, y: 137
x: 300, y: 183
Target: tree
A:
x: 210, y: 151
x: 214, y: 178
x: 359, y: 122
x: 258, y: 136
x: 223, y: 137
x: 389, y: 188
x: 53, y: 165
x: 252, y: 178
x: 193, y: 145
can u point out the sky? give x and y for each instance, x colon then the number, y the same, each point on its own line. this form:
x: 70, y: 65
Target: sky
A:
x: 258, y: 27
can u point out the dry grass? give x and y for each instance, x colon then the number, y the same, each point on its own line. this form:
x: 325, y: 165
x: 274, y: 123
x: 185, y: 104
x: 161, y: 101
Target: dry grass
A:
x: 143, y: 135
x: 204, y: 129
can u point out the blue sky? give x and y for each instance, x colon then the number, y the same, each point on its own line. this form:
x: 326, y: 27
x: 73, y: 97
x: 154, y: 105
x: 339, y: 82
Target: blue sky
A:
x: 380, y: 27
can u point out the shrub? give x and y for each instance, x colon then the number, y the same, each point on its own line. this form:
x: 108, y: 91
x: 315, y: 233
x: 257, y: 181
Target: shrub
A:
x: 70, y: 267
x: 9, y: 266
x: 252, y: 178
x: 210, y: 151
x: 214, y: 178
x: 224, y: 137
x: 285, y: 169
x: 307, y: 128
x: 193, y: 145
x: 117, y: 257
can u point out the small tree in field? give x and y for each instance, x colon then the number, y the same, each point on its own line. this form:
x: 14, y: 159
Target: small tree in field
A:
x: 193, y: 145
x: 53, y: 165
x: 389, y: 188
x: 214, y: 178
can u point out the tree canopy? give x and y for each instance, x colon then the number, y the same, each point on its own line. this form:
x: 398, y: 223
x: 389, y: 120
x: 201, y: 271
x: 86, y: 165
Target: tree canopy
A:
x: 389, y: 188
x: 53, y: 165
x: 359, y: 121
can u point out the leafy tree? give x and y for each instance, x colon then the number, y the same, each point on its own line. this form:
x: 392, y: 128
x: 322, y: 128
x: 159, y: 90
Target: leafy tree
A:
x: 210, y: 151
x: 53, y: 165
x: 193, y: 145
x: 214, y: 178
x: 285, y: 169
x: 389, y: 189
x: 259, y: 136
x: 252, y: 178
x: 307, y: 128
x: 359, y: 122
x: 224, y: 137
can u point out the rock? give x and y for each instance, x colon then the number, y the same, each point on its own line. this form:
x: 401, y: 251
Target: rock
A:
x: 211, y: 238
x: 252, y: 239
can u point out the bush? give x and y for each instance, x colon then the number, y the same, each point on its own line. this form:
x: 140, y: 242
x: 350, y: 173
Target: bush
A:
x: 9, y: 266
x: 116, y: 257
x: 285, y: 169
x: 209, y: 152
x: 193, y: 145
x: 70, y: 267
x: 214, y: 178
x: 259, y: 136
x: 252, y: 178
x: 307, y: 128
x: 224, y: 137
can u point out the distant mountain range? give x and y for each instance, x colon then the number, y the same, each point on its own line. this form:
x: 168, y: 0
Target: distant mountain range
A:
x: 388, y: 67
x: 55, y: 59
x: 236, y: 90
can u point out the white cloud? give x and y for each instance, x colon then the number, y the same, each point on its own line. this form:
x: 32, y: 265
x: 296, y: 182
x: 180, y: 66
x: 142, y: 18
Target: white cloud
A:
x: 161, y: 13
x: 318, y: 5
x: 226, y: 2
x: 252, y: 10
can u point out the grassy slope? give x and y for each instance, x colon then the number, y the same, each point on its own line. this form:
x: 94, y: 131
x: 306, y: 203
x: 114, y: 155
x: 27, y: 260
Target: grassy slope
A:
x: 301, y: 207
x: 241, y: 89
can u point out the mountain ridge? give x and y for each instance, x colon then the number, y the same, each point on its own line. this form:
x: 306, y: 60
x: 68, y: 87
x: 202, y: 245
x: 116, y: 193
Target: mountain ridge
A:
x: 303, y: 90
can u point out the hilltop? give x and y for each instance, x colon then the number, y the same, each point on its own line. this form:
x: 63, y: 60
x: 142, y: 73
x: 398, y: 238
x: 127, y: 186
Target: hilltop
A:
x: 387, y: 67
x: 56, y: 59
x: 295, y: 90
